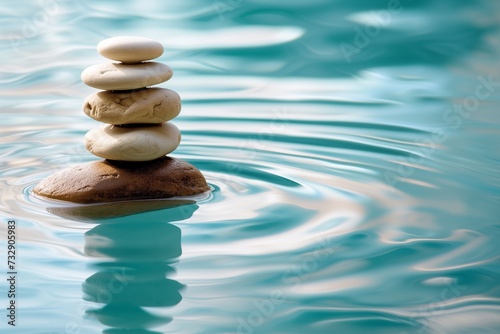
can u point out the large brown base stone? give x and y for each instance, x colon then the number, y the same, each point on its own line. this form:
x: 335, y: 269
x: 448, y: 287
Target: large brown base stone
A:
x: 111, y: 181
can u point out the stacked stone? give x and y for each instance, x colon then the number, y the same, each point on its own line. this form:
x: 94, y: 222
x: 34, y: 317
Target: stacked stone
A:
x: 137, y: 116
x: 137, y: 137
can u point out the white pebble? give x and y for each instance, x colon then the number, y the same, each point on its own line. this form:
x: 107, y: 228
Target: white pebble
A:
x: 130, y: 49
x: 141, y: 143
x: 112, y: 76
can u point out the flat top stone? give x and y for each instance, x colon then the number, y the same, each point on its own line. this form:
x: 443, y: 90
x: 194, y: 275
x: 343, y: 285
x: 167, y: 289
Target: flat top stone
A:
x: 130, y: 49
x: 113, y: 76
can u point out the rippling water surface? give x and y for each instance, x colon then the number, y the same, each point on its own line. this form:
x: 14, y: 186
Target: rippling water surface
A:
x: 352, y: 148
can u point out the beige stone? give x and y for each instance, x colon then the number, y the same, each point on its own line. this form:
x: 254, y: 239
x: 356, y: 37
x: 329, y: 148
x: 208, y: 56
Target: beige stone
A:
x: 112, y: 181
x: 133, y: 143
x: 130, y: 49
x: 148, y: 105
x: 113, y: 76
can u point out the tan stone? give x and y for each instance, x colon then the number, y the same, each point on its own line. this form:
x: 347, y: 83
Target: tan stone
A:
x: 111, y: 181
x: 149, y: 105
x: 113, y: 76
x: 133, y: 143
x: 130, y: 49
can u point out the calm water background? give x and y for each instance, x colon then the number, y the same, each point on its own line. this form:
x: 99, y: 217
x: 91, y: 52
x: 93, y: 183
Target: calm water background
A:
x: 352, y: 147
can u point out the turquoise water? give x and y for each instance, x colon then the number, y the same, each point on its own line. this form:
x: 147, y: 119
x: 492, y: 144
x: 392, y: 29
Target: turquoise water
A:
x: 352, y: 148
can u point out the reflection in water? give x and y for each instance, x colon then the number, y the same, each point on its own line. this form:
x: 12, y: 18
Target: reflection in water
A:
x: 132, y: 282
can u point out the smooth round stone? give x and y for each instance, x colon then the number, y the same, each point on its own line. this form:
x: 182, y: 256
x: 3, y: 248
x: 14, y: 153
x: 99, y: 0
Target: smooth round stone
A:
x: 149, y: 105
x: 112, y: 181
x: 112, y: 76
x: 130, y: 49
x: 138, y: 143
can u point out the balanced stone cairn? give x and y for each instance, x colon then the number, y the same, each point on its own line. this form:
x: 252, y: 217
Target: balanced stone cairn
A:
x: 137, y: 136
